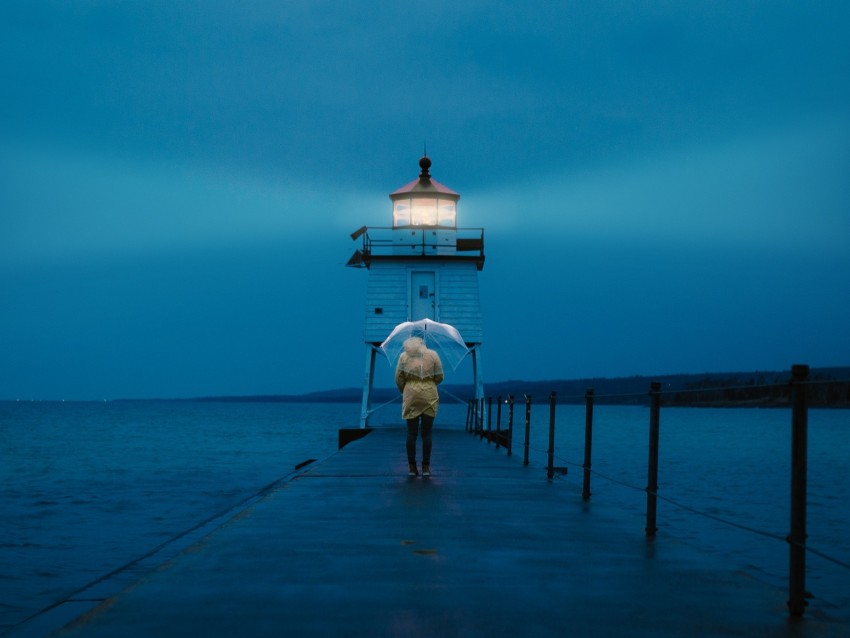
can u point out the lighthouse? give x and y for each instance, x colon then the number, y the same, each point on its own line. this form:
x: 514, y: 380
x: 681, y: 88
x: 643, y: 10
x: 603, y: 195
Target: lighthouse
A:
x: 423, y: 266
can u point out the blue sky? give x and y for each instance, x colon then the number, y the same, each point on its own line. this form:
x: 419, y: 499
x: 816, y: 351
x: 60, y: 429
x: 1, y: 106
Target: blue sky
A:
x: 663, y: 186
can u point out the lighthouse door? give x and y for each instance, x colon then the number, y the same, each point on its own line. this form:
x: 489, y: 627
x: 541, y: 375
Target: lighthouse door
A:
x: 423, y: 298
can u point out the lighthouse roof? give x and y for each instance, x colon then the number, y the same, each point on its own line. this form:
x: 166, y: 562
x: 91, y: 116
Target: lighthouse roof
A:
x: 418, y: 186
x: 424, y: 184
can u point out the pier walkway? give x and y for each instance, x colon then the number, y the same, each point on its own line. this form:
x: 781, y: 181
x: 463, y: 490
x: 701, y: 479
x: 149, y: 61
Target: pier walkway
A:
x: 486, y: 547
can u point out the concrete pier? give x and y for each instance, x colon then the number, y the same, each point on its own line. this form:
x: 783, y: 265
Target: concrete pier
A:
x: 486, y: 547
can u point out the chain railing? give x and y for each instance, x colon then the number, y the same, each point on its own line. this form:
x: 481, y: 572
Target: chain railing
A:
x: 797, y: 391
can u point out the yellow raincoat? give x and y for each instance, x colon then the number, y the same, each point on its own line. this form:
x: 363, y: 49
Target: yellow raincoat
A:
x: 417, y: 374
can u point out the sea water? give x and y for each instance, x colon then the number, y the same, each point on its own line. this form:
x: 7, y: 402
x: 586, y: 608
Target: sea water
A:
x: 89, y: 487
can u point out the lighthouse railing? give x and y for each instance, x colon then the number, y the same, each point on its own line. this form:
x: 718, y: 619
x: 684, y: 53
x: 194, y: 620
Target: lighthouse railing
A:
x: 422, y: 241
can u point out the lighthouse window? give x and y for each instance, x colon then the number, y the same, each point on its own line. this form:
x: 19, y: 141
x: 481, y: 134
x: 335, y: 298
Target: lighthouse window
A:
x: 424, y: 212
x: 401, y: 213
x: 446, y: 214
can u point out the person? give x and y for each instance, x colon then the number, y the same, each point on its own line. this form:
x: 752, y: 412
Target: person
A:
x: 417, y: 374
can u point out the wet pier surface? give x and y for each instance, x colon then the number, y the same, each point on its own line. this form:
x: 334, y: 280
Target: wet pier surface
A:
x: 353, y: 546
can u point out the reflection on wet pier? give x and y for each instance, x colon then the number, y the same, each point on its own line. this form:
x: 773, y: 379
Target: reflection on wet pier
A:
x: 487, y: 546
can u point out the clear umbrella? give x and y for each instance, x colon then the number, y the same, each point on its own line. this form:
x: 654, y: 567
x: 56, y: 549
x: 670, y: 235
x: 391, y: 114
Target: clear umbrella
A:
x: 409, y: 337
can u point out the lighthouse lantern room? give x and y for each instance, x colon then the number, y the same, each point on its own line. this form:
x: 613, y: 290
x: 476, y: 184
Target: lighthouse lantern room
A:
x: 423, y: 266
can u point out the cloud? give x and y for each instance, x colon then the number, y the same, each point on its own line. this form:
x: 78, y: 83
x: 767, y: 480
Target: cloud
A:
x: 783, y: 189
x: 105, y: 205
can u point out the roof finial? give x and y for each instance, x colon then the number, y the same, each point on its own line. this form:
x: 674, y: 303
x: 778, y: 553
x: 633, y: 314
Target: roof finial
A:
x: 424, y: 149
x: 425, y: 164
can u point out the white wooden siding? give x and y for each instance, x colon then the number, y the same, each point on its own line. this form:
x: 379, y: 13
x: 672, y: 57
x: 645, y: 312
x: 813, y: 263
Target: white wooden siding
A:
x: 387, y: 291
x: 457, y: 300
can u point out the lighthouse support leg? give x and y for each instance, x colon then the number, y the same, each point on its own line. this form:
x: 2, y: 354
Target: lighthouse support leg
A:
x: 368, y: 382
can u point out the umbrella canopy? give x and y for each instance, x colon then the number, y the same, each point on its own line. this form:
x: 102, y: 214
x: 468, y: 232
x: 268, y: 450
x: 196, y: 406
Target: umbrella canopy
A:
x: 442, y: 338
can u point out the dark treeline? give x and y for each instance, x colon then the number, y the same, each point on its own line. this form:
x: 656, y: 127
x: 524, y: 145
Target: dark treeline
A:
x: 828, y: 387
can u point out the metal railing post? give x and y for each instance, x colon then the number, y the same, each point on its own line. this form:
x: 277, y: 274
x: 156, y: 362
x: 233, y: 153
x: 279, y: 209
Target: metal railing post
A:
x: 588, y: 442
x: 652, y: 481
x: 510, y: 424
x: 481, y: 417
x: 527, y: 427
x: 489, y: 417
x: 550, y: 466
x: 498, y: 421
x: 799, y: 462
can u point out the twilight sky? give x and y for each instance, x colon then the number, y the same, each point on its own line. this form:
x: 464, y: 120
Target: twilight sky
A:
x: 663, y: 186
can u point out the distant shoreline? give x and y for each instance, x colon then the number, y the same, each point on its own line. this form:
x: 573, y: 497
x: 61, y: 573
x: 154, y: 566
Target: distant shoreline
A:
x: 828, y: 387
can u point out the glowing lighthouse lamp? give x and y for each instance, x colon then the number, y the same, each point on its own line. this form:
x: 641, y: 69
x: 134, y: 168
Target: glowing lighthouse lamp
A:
x: 424, y: 266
